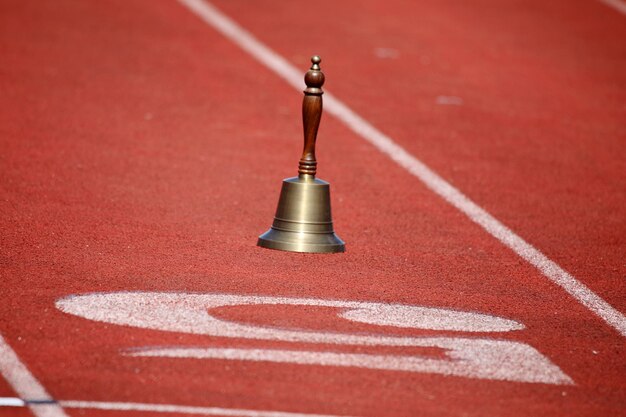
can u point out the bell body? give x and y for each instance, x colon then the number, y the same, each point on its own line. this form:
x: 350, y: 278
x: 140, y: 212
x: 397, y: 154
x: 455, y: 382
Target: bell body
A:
x: 303, y: 221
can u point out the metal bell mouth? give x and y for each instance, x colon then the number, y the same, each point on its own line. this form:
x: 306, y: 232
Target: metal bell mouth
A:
x: 303, y: 221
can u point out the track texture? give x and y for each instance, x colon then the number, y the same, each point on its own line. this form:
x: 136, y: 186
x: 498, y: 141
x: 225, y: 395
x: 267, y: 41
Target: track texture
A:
x: 142, y: 151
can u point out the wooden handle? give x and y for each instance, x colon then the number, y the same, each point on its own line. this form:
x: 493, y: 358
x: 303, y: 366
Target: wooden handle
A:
x: 311, y: 116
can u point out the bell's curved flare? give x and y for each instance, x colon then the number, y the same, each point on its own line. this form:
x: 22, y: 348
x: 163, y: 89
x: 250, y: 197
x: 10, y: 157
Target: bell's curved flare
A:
x: 303, y: 221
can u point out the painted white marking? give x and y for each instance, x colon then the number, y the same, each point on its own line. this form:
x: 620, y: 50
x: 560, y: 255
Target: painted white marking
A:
x: 11, y: 402
x: 166, y: 408
x: 227, y: 27
x: 449, y: 101
x: 386, y: 53
x: 181, y: 312
x: 25, y: 384
x: 618, y: 5
x: 430, y: 318
x: 185, y: 409
x: 471, y: 358
x: 189, y: 313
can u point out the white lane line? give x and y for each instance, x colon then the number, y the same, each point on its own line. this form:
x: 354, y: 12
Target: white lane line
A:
x: 11, y: 402
x: 262, y: 53
x: 25, y: 384
x: 162, y: 408
x: 618, y: 5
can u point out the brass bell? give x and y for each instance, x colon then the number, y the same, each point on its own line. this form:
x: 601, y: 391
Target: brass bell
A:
x: 303, y: 221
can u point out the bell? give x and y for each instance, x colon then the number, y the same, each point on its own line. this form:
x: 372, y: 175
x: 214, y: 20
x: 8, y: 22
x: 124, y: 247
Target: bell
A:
x: 303, y: 221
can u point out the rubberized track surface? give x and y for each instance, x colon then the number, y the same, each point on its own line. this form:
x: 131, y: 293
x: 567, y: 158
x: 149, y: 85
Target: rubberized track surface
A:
x: 142, y: 151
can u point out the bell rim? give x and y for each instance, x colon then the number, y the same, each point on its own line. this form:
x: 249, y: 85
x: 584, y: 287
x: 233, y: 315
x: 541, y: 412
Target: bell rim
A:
x: 337, y: 246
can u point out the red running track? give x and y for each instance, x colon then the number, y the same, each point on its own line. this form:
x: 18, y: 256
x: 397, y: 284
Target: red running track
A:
x: 143, y: 151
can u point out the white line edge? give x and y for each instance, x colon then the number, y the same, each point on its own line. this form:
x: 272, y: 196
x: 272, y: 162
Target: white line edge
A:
x: 158, y: 408
x: 266, y: 56
x: 11, y: 402
x: 25, y: 384
x: 618, y: 5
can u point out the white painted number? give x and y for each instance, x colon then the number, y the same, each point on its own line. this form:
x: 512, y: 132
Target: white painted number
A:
x: 190, y: 313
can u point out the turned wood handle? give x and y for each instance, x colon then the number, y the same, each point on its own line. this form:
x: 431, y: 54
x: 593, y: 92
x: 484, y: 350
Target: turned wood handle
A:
x: 311, y: 116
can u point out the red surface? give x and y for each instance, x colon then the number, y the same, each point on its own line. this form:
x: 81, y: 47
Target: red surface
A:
x: 5, y: 389
x: 143, y: 151
x: 539, y: 137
